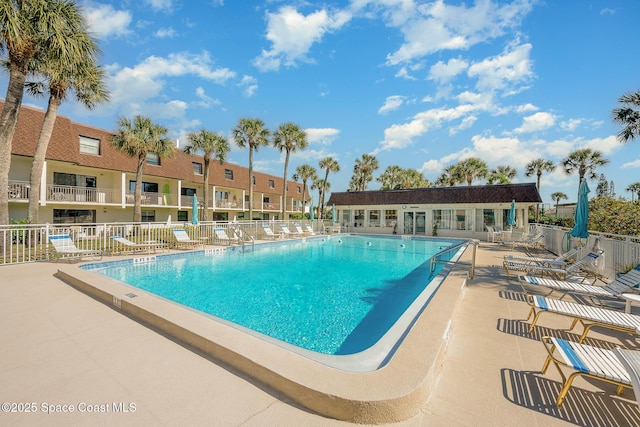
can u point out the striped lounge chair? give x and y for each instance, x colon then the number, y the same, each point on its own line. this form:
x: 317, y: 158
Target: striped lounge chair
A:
x: 627, y: 282
x: 587, y: 315
x: 578, y: 268
x: 585, y: 361
x: 559, y: 261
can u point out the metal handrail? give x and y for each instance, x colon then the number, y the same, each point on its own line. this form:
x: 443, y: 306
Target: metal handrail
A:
x: 240, y: 235
x: 475, y: 243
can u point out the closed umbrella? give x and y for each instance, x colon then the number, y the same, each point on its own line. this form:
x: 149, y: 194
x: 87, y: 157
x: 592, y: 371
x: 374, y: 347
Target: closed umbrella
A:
x: 311, y: 211
x: 581, y: 217
x: 333, y: 213
x: 511, y: 219
x: 194, y: 214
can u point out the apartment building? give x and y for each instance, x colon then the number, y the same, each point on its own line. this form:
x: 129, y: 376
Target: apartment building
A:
x: 86, y: 180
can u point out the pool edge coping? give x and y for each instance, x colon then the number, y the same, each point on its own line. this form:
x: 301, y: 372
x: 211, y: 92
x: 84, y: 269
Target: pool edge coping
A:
x: 393, y: 393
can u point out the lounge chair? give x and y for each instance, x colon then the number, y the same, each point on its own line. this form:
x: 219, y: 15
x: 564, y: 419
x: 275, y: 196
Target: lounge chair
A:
x: 66, y: 248
x: 127, y: 246
x: 223, y: 237
x: 578, y: 268
x: 309, y: 229
x: 533, y: 241
x: 630, y: 359
x: 560, y: 260
x: 586, y: 361
x: 270, y: 234
x: 299, y: 230
x: 285, y: 231
x: 588, y: 316
x: 184, y: 241
x: 493, y: 233
x: 627, y: 282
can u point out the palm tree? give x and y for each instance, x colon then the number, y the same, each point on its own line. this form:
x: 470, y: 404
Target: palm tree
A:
x: 318, y: 184
x: 501, y: 175
x: 538, y: 166
x: 628, y: 116
x: 363, y: 172
x: 136, y: 138
x: 390, y: 178
x: 79, y: 74
x: 411, y: 178
x: 30, y: 30
x: 557, y: 197
x: 213, y: 146
x: 472, y: 168
x: 450, y: 176
x: 305, y: 173
x: 251, y: 133
x: 288, y: 138
x: 585, y: 161
x: 634, y: 189
x: 329, y: 164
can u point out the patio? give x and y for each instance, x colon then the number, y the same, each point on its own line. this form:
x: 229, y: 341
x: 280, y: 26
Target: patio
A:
x: 61, y: 347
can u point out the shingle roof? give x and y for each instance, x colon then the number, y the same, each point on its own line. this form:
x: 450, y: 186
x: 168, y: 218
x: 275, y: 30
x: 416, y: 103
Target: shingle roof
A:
x: 503, y: 193
x: 64, y: 146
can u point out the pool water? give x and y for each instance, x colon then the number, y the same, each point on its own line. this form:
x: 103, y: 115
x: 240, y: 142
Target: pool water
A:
x: 334, y: 295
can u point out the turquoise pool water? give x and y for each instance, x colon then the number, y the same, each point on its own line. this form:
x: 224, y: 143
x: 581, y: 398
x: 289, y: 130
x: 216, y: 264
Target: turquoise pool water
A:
x: 336, y: 296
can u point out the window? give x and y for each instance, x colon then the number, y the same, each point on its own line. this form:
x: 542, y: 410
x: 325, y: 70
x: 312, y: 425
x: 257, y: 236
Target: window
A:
x: 272, y: 183
x: 228, y: 174
x: 197, y: 168
x: 358, y: 218
x: 153, y: 159
x: 183, y: 216
x: 73, y: 216
x: 485, y: 218
x: 147, y: 187
x: 185, y: 191
x: 298, y: 189
x: 220, y: 216
x: 453, y: 219
x: 374, y: 218
x: 390, y: 218
x: 442, y: 219
x: 74, y: 180
x: 148, y: 216
x: 253, y: 180
x: 89, y: 145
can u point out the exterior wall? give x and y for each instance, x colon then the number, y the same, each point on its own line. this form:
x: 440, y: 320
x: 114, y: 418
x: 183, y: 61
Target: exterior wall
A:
x: 420, y: 219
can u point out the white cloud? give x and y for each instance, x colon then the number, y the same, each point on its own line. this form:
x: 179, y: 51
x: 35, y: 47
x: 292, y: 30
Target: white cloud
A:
x: 205, y: 100
x: 571, y: 124
x: 391, y: 103
x: 249, y: 85
x: 292, y: 34
x: 165, y: 5
x: 324, y: 136
x: 536, y: 122
x: 510, y: 68
x: 436, y: 26
x: 633, y: 164
x: 104, y: 21
x: 526, y: 108
x: 606, y: 145
x: 443, y: 73
x: 403, y: 73
x: 165, y: 33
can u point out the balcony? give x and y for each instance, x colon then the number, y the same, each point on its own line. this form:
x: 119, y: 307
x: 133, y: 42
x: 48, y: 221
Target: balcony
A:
x: 19, y: 190
x: 67, y: 193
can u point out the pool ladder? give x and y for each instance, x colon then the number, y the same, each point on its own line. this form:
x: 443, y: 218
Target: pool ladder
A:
x: 243, y: 238
x: 474, y: 243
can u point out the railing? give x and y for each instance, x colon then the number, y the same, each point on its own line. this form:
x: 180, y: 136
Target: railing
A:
x: 435, y: 259
x: 620, y: 252
x: 19, y: 190
x: 68, y: 193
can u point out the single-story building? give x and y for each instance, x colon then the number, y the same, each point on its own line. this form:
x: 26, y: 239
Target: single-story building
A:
x: 464, y: 211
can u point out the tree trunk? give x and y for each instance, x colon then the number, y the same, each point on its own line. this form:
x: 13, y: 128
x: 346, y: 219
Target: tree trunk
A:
x: 205, y: 214
x: 8, y: 122
x: 250, y: 182
x: 137, y: 204
x: 284, y: 185
x: 38, y: 158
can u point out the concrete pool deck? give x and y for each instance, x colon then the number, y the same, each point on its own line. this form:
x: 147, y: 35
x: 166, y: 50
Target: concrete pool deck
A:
x: 61, y: 347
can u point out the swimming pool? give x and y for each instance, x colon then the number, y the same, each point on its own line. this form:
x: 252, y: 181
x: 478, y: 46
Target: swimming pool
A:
x: 344, y: 300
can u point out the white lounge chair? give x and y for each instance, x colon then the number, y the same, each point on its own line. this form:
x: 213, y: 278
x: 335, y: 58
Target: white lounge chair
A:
x: 299, y: 230
x: 630, y: 359
x: 184, y: 241
x: 127, y: 246
x: 578, y: 268
x: 627, y: 282
x: 309, y: 229
x: 223, y: 237
x: 285, y: 231
x: 586, y: 361
x: 588, y: 316
x: 558, y: 261
x: 270, y: 234
x: 66, y: 248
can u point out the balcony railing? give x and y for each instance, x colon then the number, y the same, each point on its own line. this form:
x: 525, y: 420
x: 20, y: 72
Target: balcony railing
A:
x: 68, y: 193
x: 19, y: 190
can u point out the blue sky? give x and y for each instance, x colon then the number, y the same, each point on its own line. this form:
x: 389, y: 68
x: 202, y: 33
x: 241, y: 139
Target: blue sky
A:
x: 419, y: 84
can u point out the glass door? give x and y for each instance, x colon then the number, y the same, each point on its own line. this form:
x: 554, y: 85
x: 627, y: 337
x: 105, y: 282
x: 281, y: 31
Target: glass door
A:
x: 408, y: 223
x: 421, y: 222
